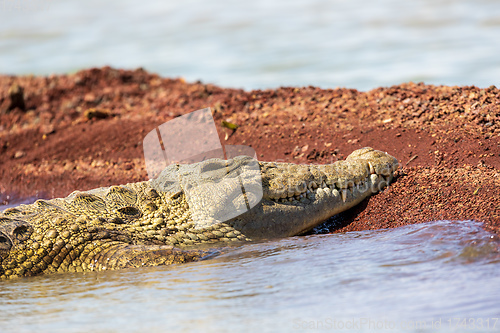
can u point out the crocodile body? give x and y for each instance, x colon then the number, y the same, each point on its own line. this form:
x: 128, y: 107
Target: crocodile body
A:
x: 156, y: 222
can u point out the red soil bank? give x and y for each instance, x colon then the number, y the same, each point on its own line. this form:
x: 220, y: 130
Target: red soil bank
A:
x: 85, y: 130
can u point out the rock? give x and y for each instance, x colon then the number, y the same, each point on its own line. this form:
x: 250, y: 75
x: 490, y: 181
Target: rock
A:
x: 19, y: 154
x: 16, y: 96
x: 93, y: 113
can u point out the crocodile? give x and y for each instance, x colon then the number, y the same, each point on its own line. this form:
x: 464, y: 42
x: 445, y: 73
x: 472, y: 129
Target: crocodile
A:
x: 155, y: 222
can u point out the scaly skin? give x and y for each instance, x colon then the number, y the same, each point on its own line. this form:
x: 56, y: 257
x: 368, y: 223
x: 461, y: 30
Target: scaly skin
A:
x: 166, y: 221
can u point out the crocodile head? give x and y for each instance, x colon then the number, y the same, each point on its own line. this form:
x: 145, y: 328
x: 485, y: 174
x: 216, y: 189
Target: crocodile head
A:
x: 297, y: 198
x: 153, y: 222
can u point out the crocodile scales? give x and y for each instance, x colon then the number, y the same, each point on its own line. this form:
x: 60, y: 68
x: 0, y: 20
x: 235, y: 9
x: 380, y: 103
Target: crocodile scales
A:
x: 151, y: 223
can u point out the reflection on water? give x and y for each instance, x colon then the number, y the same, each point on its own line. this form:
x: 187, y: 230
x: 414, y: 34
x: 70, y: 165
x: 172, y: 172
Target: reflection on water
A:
x: 423, y: 273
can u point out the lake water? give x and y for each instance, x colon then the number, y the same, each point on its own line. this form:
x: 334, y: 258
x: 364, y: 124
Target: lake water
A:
x: 259, y: 44
x: 433, y: 277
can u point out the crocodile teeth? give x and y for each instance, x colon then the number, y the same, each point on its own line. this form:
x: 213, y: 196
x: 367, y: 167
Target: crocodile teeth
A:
x: 344, y: 195
x: 372, y: 169
x: 314, y: 185
x: 374, y: 181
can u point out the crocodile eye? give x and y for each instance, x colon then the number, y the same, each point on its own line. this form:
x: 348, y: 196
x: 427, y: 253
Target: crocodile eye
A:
x: 5, y: 243
x: 22, y: 232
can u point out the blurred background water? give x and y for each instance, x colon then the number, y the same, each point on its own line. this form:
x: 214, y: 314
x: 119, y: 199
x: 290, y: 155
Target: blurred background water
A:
x: 260, y: 44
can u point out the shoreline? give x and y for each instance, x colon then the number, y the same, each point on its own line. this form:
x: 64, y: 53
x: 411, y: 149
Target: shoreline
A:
x: 85, y: 130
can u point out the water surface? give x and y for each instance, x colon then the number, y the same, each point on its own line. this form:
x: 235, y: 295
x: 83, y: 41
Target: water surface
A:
x: 410, y: 277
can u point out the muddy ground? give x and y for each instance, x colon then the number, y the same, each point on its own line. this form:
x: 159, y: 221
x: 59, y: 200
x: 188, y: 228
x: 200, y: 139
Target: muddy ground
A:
x: 85, y: 130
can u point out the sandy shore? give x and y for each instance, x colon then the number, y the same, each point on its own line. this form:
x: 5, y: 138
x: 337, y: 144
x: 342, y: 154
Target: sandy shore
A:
x: 85, y: 130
